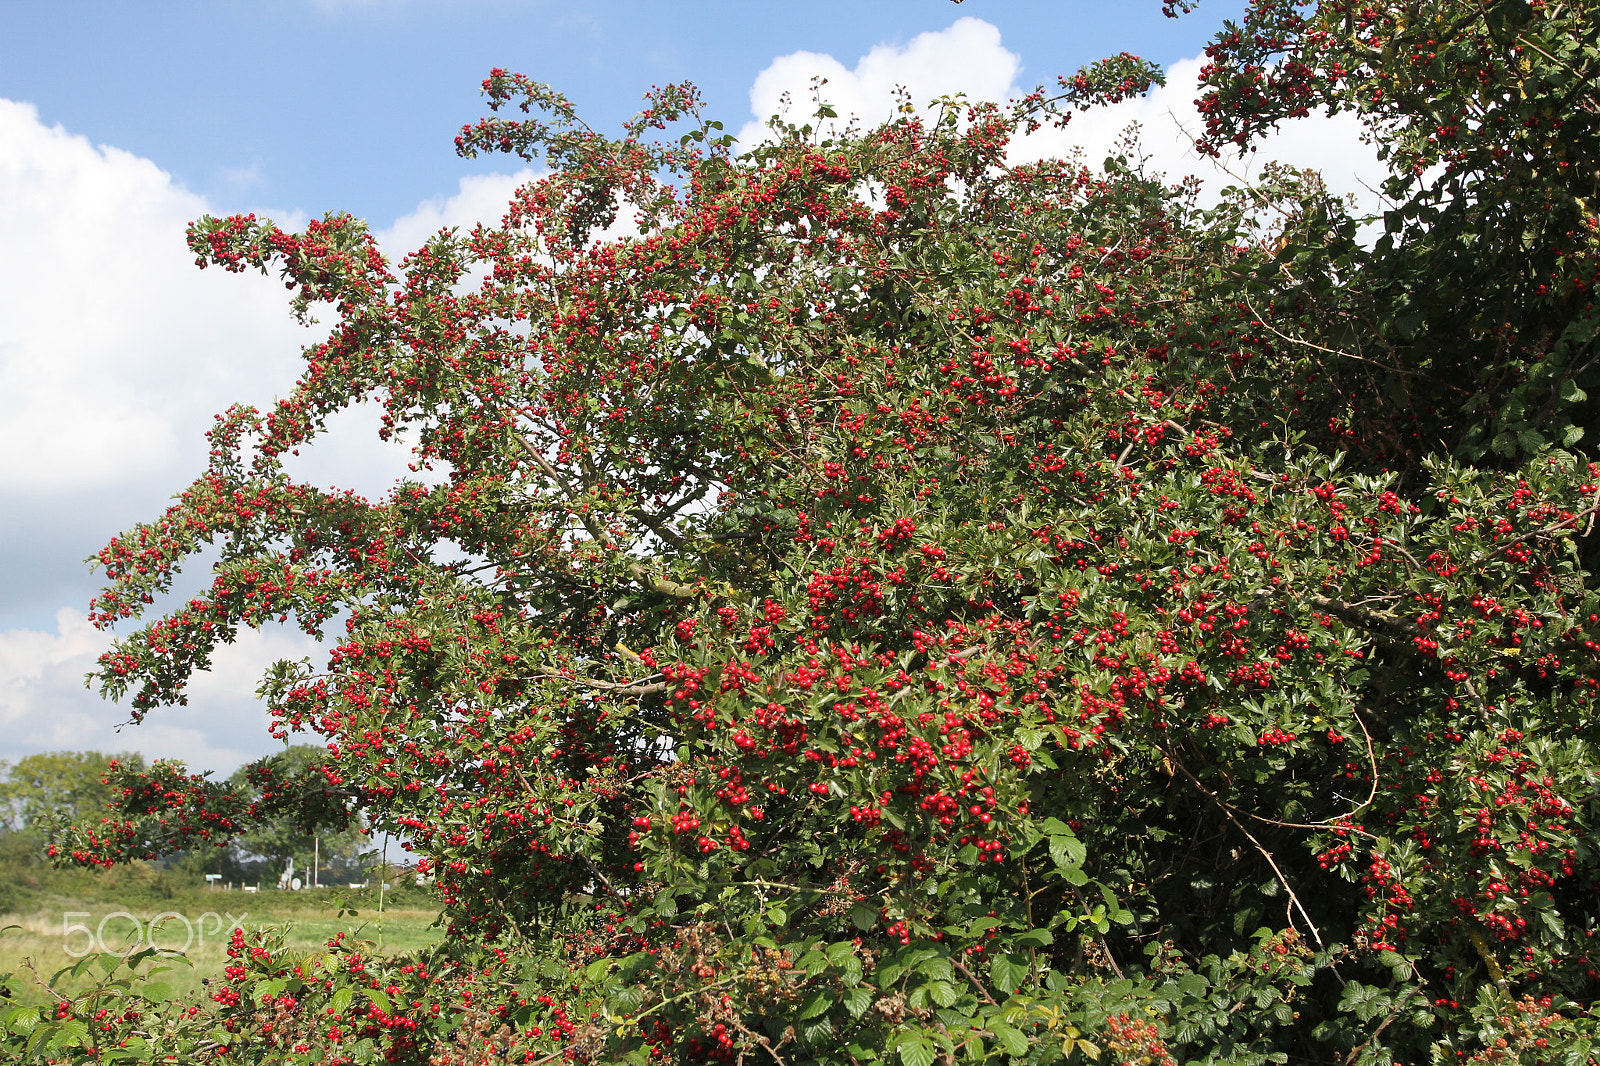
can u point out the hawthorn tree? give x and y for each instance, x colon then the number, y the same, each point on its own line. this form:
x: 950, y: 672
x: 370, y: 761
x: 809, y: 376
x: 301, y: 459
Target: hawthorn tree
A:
x: 905, y: 605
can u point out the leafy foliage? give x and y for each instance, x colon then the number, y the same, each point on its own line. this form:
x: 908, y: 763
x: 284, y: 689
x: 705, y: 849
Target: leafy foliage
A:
x: 271, y: 808
x: 52, y: 788
x: 904, y: 606
x: 300, y: 813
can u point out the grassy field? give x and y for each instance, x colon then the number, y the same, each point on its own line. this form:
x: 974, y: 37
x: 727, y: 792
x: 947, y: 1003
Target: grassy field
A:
x: 55, y: 930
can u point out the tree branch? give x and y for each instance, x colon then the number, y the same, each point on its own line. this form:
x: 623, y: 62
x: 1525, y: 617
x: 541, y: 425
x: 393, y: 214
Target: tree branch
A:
x: 637, y: 570
x: 1227, y: 810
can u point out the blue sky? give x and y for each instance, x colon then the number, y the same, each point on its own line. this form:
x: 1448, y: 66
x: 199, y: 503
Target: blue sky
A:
x: 352, y: 104
x: 120, y: 122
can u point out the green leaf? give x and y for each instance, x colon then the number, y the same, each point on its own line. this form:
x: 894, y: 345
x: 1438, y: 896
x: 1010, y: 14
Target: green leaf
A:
x: 22, y: 1019
x: 1008, y: 972
x: 857, y: 1000
x: 864, y: 916
x: 626, y: 1001
x: 916, y: 1050
x: 816, y: 1003
x: 1015, y: 1044
x: 980, y: 926
x: 70, y: 1033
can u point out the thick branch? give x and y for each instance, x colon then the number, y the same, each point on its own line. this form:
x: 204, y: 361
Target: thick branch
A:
x: 642, y: 687
x: 637, y: 570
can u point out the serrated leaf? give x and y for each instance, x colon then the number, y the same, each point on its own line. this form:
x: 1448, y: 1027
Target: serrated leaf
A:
x: 1012, y: 1040
x: 857, y: 1000
x: 980, y: 926
x: 817, y: 1031
x: 916, y: 1050
x: 1008, y: 972
x: 70, y: 1033
x: 1067, y: 852
x: 22, y: 1019
x: 815, y: 1004
x: 627, y: 1000
x: 852, y: 971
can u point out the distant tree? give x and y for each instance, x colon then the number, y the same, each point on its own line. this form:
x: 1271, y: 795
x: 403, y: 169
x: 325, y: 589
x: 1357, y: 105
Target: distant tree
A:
x: 273, y: 808
x: 57, y: 788
x: 285, y: 835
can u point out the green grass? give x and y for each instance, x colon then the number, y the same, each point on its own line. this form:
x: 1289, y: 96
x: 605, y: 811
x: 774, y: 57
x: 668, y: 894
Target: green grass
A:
x: 44, y: 904
x: 45, y: 936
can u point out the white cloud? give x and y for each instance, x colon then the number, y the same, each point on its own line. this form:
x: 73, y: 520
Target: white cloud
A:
x: 965, y: 58
x: 240, y: 179
x: 115, y: 352
x: 1169, y: 123
x: 478, y: 198
x: 114, y: 345
x: 44, y: 705
x: 969, y: 58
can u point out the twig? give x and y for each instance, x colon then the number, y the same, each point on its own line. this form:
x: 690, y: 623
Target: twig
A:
x: 1556, y: 527
x: 1294, y: 900
x: 1330, y: 351
x: 652, y: 582
x: 1369, y: 619
x: 1356, y: 1053
x: 1264, y: 820
x: 982, y: 991
x: 28, y: 962
x: 621, y: 688
x: 1372, y: 761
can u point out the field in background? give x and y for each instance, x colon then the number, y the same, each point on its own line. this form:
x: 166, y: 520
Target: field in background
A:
x: 60, y: 914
